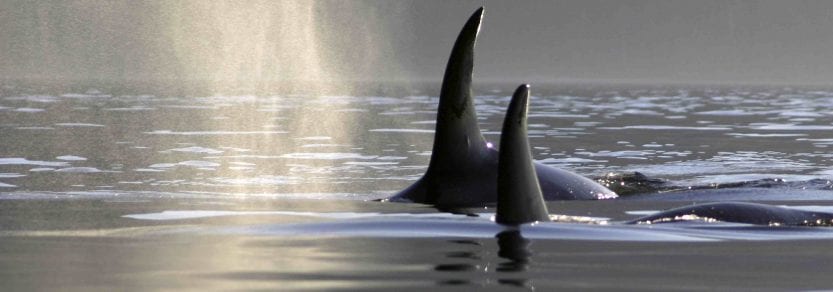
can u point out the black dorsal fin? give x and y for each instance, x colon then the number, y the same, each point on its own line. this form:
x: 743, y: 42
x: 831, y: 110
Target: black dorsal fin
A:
x: 519, y: 195
x: 457, y: 133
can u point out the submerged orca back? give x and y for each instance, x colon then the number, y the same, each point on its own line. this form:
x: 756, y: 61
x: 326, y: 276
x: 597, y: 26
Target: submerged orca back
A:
x: 740, y: 212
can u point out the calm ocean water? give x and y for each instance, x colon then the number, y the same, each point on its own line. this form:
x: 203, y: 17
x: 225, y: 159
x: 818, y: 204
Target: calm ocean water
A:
x: 100, y: 141
x: 271, y: 190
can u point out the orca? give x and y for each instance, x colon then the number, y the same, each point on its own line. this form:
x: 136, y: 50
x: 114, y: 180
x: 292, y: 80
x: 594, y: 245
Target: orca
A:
x: 520, y: 199
x: 740, y: 212
x: 516, y: 172
x: 463, y: 167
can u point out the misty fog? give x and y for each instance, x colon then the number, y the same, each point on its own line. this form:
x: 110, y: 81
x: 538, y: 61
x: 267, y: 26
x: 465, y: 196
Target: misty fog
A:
x: 254, y: 41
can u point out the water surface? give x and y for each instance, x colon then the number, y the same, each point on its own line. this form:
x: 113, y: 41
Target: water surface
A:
x: 108, y: 187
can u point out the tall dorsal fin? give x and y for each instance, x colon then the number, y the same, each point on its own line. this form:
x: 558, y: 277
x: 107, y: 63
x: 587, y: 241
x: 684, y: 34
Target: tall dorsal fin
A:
x: 457, y: 132
x: 518, y: 192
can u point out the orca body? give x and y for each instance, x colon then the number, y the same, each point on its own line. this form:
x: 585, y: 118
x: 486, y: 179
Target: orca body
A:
x: 463, y: 168
x: 739, y: 212
x: 520, y: 199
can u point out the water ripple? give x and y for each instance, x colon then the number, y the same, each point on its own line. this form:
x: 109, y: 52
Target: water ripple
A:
x: 24, y: 161
x: 327, y: 156
x: 211, y: 133
x: 194, y: 149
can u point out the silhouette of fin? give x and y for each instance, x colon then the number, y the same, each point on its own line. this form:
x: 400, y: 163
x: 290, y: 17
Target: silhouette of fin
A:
x: 457, y: 134
x: 519, y: 195
x: 462, y: 171
x: 460, y: 152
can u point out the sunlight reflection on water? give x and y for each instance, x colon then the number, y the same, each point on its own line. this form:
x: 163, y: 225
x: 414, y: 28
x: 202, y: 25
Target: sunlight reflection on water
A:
x: 694, y: 136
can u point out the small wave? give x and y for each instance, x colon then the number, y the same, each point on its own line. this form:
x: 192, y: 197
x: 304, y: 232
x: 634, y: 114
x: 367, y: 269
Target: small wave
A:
x: 558, y: 115
x: 391, y: 158
x: 199, y: 164
x: 149, y: 170
x: 24, y: 161
x: 569, y: 160
x: 315, y: 138
x: 327, y: 156
x: 191, y: 106
x: 94, y: 94
x: 259, y: 181
x: 790, y: 127
x: 731, y: 113
x: 162, y: 165
x: 195, y: 149
x: 240, y: 163
x: 11, y: 175
x: 195, y: 214
x: 79, y: 170
x: 34, y: 98
x: 800, y: 114
x: 370, y: 163
x: 71, y: 158
x: 640, y: 112
x: 235, y: 149
x: 211, y: 133
x: 80, y: 125
x: 323, y: 145
x: 618, y: 154
x: 207, y: 165
x: 403, y: 131
x: 759, y: 135
x: 29, y: 110
x: 663, y: 127
x: 130, y: 109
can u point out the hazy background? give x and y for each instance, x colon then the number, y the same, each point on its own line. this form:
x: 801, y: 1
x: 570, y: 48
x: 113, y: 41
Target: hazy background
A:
x: 250, y: 42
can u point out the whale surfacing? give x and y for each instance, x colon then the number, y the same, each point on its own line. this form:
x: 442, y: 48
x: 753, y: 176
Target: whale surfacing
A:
x: 463, y: 169
x: 519, y: 193
x: 520, y: 199
x: 740, y: 212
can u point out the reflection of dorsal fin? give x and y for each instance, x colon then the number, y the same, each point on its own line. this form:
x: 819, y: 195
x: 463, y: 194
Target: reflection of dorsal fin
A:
x: 457, y: 132
x: 519, y: 198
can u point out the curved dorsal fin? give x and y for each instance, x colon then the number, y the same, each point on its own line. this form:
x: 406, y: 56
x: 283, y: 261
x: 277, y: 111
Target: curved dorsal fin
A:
x: 519, y: 197
x: 457, y: 132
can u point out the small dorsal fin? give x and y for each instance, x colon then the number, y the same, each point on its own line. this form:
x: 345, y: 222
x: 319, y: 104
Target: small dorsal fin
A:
x: 519, y: 195
x: 457, y: 133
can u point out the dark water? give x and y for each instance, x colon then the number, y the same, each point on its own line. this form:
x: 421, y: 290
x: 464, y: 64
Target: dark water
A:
x: 104, y: 187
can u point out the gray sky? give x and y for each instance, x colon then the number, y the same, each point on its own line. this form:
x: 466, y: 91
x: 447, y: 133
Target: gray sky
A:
x: 647, y: 40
